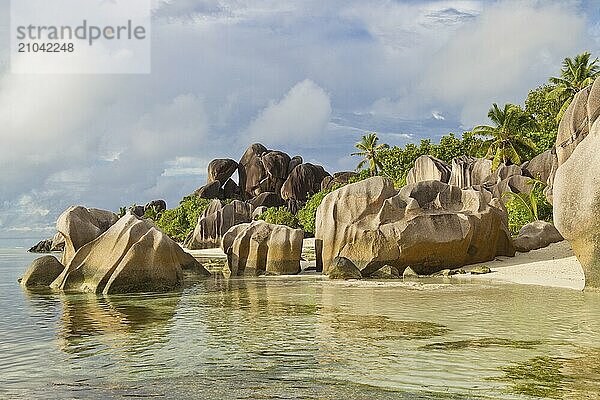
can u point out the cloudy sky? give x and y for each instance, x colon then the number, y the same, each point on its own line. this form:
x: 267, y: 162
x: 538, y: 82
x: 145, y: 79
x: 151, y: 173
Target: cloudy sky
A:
x: 307, y: 77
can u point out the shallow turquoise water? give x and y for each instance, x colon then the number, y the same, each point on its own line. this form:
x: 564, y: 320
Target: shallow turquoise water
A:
x: 274, y: 338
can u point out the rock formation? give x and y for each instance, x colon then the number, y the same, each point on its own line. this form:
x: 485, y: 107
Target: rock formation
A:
x: 79, y: 226
x: 261, y: 248
x: 42, y: 272
x: 210, y: 191
x: 576, y: 183
x: 251, y: 171
x: 469, y: 171
x: 342, y: 268
x: 215, y: 221
x: 339, y: 178
x: 157, y: 205
x: 304, y: 181
x: 43, y: 246
x: 428, y: 226
x: 536, y: 235
x: 131, y: 256
x: 221, y: 170
x: 428, y: 168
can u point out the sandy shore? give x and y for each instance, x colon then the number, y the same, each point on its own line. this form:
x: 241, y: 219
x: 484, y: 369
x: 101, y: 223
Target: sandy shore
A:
x: 554, y: 266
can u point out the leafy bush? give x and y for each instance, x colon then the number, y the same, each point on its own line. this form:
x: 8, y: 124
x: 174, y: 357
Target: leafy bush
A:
x: 307, y: 214
x: 525, y: 208
x: 180, y: 221
x: 280, y: 216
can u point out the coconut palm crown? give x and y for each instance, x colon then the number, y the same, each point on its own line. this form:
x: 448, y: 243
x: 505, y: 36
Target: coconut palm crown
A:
x: 575, y: 74
x: 506, y: 142
x: 369, y: 150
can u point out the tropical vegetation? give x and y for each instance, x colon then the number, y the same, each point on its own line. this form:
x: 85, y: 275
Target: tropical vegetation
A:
x: 506, y: 141
x: 576, y: 73
x: 369, y: 150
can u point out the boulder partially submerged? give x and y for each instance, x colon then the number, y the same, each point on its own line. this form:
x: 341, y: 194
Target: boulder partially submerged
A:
x: 261, y: 248
x: 131, y: 256
x: 79, y: 225
x: 429, y: 226
x: 42, y: 272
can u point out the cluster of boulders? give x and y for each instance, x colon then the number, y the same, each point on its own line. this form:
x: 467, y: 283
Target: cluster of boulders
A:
x: 157, y: 205
x: 428, y: 225
x: 258, y: 248
x: 105, y: 254
x: 267, y: 178
x: 215, y: 221
x: 470, y: 172
x: 575, y: 190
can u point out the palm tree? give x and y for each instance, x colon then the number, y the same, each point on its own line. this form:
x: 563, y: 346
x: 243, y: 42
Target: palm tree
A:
x: 505, y: 140
x: 369, y: 149
x: 575, y: 74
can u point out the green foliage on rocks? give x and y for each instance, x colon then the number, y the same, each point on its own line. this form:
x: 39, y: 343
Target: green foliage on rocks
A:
x: 179, y: 222
x: 280, y: 216
x: 524, y: 208
x: 545, y: 111
x: 506, y: 140
x: 397, y: 161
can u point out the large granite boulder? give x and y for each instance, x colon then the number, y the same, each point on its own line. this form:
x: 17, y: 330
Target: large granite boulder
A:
x: 536, y: 235
x: 429, y: 226
x: 215, y: 221
x: 276, y: 164
x: 342, y: 268
x: 251, y: 171
x: 539, y: 167
x: 131, y: 256
x: 304, y: 181
x: 267, y: 199
x: 428, y: 168
x: 221, y: 170
x: 58, y: 242
x: 42, y: 272
x: 231, y: 190
x: 79, y: 225
x: 574, y: 127
x: 262, y: 248
x: 469, y: 171
x: 576, y: 184
x: 339, y: 178
x: 294, y: 162
x: 210, y: 191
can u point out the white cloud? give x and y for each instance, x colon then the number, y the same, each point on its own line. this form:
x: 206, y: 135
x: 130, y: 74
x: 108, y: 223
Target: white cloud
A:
x: 352, y: 66
x: 510, y: 48
x: 300, y: 117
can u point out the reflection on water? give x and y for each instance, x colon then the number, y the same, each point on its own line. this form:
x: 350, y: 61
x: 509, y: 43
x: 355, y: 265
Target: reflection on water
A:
x: 301, y: 337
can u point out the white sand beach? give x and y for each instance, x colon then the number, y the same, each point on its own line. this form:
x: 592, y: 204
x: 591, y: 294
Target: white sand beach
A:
x: 554, y: 266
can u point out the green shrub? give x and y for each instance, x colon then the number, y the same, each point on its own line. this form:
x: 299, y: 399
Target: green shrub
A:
x: 525, y: 208
x: 307, y: 214
x: 280, y: 216
x: 180, y: 221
